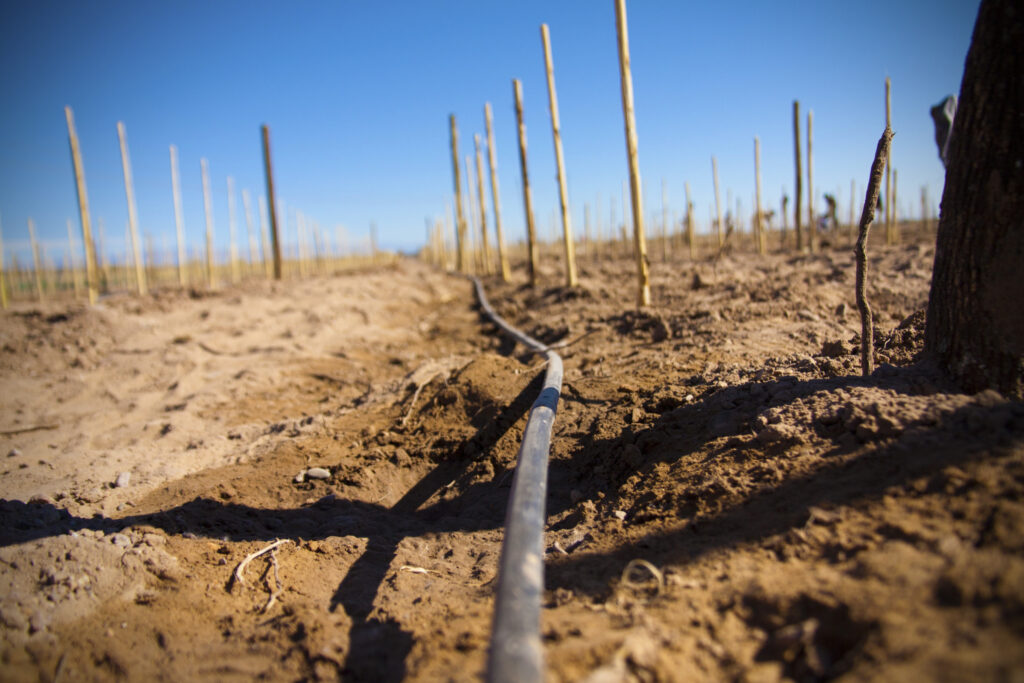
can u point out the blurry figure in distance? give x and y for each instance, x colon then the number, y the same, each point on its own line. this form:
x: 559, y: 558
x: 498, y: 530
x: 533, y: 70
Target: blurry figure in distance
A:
x: 943, y: 114
x: 829, y: 219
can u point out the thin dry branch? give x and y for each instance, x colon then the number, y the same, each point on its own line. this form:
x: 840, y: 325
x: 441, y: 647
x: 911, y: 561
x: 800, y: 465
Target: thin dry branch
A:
x: 277, y: 588
x: 238, y: 575
x: 867, y: 331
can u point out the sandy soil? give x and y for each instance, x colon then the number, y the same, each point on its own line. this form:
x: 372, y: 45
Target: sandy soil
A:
x: 729, y: 498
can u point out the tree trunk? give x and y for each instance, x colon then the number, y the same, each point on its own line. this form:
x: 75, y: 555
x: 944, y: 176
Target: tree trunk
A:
x: 975, y: 327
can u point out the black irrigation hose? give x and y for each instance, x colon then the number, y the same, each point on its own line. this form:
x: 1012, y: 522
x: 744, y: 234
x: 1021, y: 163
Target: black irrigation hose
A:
x: 516, y: 654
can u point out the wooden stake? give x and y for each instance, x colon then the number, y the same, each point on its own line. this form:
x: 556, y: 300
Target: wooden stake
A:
x: 268, y: 260
x: 493, y: 163
x: 812, y: 226
x: 83, y: 208
x: 563, y: 188
x: 531, y: 228
x: 71, y: 259
x: 272, y: 203
x: 250, y: 227
x: 232, y: 225
x: 208, y: 208
x: 889, y: 238
x: 718, y: 203
x: 482, y: 197
x: 133, y: 218
x: 640, y: 242
x: 460, y: 219
x: 799, y: 187
x: 179, y: 219
x: 470, y: 212
x: 758, y: 226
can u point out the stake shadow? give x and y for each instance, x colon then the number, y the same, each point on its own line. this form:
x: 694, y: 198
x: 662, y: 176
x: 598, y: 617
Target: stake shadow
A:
x: 377, y: 648
x: 851, y: 471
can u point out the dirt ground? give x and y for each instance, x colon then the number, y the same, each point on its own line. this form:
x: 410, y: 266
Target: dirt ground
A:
x: 729, y: 499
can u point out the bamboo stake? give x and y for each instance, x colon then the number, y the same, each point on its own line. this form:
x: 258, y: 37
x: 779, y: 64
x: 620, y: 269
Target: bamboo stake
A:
x: 3, y: 280
x: 460, y: 219
x: 449, y: 235
x: 797, y: 218
x: 35, y: 259
x: 71, y: 259
x: 83, y: 208
x: 129, y: 260
x: 867, y: 325
x: 644, y: 297
x: 493, y: 163
x: 531, y: 228
x: 474, y: 254
x: 690, y: 232
x: 150, y: 264
x: 268, y: 260
x: 208, y: 208
x: 179, y: 220
x: 272, y: 203
x: 232, y: 225
x: 887, y: 209
x: 758, y: 226
x: 104, y: 262
x: 133, y: 218
x: 563, y: 188
x: 812, y: 226
x: 718, y: 203
x: 250, y: 228
x: 482, y: 197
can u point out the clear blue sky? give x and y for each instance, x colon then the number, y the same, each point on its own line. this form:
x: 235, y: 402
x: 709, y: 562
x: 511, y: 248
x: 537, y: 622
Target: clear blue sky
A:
x: 357, y: 97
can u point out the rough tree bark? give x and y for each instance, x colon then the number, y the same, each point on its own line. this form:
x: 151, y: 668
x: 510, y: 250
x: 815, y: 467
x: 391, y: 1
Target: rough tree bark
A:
x: 975, y: 323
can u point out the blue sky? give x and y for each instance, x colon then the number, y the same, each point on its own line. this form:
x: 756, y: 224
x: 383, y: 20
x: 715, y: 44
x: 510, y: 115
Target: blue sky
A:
x: 357, y: 97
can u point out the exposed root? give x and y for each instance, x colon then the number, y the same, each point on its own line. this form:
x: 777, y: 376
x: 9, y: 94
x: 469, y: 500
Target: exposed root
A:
x: 238, y: 577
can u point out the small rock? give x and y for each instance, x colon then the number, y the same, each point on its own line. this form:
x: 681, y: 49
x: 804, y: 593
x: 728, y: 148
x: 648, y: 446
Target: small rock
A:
x: 120, y: 540
x: 834, y: 349
x: 123, y: 480
x: 807, y: 314
x: 318, y: 473
x: 401, y: 457
x: 300, y: 477
x: 13, y: 453
x: 841, y: 310
x: 620, y: 515
x: 42, y: 499
x: 154, y: 540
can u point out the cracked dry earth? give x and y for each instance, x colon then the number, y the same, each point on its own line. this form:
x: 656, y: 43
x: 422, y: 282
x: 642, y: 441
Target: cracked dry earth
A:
x: 729, y: 499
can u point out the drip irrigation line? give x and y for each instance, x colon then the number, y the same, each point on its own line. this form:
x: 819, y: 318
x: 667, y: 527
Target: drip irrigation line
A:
x: 516, y: 654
